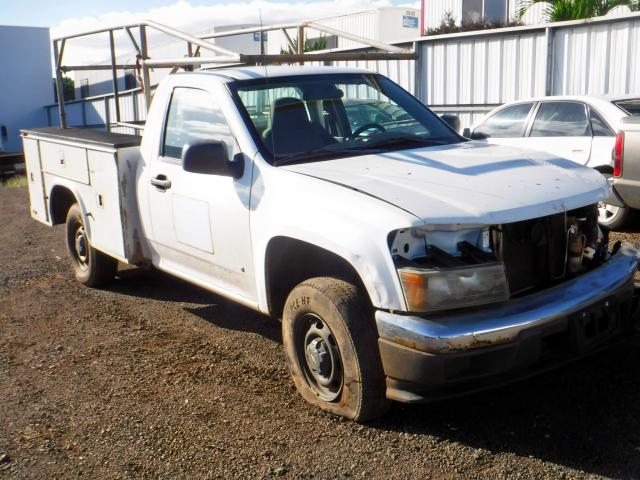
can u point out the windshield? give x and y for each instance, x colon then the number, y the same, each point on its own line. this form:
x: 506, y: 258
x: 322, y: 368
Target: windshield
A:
x: 319, y: 117
x: 631, y: 106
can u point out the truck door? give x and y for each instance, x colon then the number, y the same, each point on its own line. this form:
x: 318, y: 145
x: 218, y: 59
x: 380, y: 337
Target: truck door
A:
x: 200, y: 222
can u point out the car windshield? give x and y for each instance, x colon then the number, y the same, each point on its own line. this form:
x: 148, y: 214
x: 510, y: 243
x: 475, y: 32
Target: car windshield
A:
x: 320, y: 117
x: 631, y: 106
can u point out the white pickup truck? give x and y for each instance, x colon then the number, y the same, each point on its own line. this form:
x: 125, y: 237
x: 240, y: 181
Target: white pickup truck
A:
x: 405, y: 262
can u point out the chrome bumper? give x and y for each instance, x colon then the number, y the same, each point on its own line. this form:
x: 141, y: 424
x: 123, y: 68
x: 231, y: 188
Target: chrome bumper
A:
x: 482, y: 327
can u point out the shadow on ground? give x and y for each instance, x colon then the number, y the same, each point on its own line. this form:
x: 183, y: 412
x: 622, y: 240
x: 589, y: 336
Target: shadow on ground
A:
x: 585, y: 415
x: 156, y: 285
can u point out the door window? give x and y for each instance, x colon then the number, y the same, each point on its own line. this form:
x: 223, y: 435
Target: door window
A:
x: 561, y: 119
x: 599, y: 127
x: 194, y: 116
x: 507, y: 123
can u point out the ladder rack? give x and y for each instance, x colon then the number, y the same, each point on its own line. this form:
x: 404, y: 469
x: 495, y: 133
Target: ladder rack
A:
x: 223, y: 57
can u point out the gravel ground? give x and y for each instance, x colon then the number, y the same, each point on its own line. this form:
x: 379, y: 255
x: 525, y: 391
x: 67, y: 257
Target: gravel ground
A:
x: 154, y: 378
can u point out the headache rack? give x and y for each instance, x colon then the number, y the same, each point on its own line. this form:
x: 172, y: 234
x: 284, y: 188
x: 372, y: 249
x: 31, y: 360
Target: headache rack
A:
x: 137, y: 34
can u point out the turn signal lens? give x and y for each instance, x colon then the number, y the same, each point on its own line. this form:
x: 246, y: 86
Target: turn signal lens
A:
x: 432, y: 290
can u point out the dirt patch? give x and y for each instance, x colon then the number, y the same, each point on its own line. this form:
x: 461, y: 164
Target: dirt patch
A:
x: 154, y: 378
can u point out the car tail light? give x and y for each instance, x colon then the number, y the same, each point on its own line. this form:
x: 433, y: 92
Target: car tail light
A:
x: 618, y: 151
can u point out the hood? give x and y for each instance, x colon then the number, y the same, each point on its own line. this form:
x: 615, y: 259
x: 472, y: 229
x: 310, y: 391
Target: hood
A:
x: 471, y: 182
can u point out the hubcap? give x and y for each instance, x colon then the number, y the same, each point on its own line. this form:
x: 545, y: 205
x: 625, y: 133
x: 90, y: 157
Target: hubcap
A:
x: 81, y: 247
x: 606, y: 212
x: 319, y: 357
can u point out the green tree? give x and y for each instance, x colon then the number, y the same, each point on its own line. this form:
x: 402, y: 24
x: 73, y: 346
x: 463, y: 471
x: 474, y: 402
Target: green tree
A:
x: 561, y: 10
x: 68, y: 89
x: 310, y: 45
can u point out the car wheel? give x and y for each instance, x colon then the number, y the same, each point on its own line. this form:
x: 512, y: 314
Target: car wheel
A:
x: 90, y: 267
x: 614, y: 218
x: 331, y: 345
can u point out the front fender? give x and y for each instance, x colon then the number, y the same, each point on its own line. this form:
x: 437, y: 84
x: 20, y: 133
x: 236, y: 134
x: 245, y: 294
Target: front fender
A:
x: 348, y: 223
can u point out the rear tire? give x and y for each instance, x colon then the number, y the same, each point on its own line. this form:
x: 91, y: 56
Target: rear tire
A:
x: 90, y: 267
x: 331, y: 344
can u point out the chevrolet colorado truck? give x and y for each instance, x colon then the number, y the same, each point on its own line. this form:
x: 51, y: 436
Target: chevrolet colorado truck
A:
x: 405, y: 262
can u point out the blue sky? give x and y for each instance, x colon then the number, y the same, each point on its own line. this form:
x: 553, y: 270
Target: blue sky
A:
x: 49, y: 13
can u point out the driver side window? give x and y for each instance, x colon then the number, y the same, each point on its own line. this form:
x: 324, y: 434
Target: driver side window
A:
x: 194, y: 116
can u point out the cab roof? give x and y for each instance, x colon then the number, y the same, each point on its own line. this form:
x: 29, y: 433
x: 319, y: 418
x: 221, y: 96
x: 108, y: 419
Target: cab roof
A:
x: 249, y: 73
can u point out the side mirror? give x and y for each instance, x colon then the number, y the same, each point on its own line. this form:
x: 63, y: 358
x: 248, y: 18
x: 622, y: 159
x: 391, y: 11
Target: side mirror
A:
x: 478, y: 135
x: 211, y: 158
x: 452, y: 120
x: 466, y: 132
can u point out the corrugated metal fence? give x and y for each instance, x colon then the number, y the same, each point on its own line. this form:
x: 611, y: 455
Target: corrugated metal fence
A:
x: 470, y: 73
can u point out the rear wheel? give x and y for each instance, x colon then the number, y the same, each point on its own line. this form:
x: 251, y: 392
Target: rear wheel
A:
x: 612, y: 217
x: 332, y: 350
x: 90, y: 267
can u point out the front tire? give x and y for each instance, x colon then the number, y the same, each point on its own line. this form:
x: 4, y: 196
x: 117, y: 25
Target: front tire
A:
x: 90, y: 266
x: 331, y: 344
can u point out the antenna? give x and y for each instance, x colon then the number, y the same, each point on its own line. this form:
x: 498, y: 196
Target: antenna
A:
x: 266, y: 82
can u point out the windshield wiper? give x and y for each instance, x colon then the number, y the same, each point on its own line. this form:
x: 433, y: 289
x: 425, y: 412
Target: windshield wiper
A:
x: 407, y: 140
x: 321, y: 153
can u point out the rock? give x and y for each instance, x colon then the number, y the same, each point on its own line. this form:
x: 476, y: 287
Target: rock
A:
x: 4, y: 458
x: 280, y: 471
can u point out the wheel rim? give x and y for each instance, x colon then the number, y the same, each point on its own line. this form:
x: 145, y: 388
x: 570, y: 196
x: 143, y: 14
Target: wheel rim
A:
x: 607, y: 212
x: 319, y: 357
x: 81, y: 247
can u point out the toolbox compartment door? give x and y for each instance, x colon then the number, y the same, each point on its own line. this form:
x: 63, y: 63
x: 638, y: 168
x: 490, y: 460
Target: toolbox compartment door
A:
x: 37, y: 200
x: 65, y: 161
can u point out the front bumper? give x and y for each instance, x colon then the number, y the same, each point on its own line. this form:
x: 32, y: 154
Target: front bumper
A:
x: 425, y: 356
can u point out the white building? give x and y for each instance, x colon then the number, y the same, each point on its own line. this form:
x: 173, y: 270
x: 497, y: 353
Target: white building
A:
x: 386, y: 24
x: 479, y: 10
x: 26, y: 84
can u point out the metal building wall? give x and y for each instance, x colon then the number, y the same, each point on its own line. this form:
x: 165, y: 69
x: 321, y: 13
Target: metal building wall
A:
x: 364, y: 24
x: 601, y: 58
x: 469, y: 74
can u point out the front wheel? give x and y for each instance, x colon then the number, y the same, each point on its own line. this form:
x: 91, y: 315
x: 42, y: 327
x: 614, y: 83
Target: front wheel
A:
x: 331, y: 345
x: 90, y: 266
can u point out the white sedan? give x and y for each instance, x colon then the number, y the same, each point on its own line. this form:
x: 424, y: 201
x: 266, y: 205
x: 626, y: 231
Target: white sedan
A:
x: 579, y: 128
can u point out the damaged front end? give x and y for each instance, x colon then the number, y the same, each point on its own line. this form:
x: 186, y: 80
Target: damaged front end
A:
x: 490, y: 304
x: 450, y: 267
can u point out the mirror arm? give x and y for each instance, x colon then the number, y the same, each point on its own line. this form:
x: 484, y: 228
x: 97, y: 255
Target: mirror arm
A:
x: 236, y: 166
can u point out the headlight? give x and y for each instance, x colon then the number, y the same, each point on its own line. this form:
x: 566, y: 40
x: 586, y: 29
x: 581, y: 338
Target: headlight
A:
x: 446, y: 267
x: 432, y: 290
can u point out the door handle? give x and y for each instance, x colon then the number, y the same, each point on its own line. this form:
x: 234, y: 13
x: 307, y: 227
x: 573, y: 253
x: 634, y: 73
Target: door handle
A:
x: 161, y: 182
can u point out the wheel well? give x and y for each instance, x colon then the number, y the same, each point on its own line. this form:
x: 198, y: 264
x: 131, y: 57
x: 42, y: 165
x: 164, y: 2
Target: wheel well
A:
x: 607, y: 169
x: 60, y: 202
x: 289, y: 262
